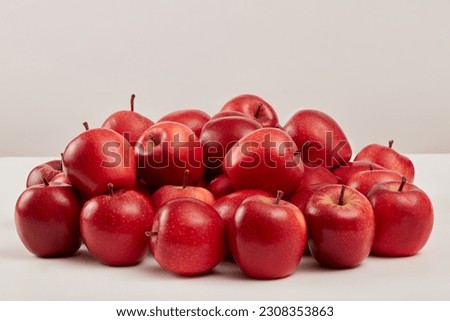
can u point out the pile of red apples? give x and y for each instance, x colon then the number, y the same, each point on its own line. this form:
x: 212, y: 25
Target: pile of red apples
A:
x: 194, y: 190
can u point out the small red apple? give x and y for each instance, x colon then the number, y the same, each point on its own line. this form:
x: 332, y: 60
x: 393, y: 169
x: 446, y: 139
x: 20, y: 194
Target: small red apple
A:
x: 364, y: 180
x: 98, y: 157
x: 113, y: 226
x: 188, y: 237
x: 404, y: 218
x: 169, y: 192
x: 227, y: 205
x: 47, y: 219
x: 319, y: 137
x: 264, y: 159
x: 165, y: 151
x: 267, y: 237
x: 220, y: 186
x: 193, y: 118
x: 128, y: 123
x: 344, y: 172
x: 341, y: 226
x: 47, y: 170
x: 254, y: 107
x: 389, y: 158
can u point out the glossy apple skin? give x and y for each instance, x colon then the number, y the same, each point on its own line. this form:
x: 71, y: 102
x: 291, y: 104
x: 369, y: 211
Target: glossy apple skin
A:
x: 190, y: 237
x: 301, y: 196
x: 313, y: 126
x: 195, y: 119
x: 229, y: 113
x: 404, y: 220
x: 113, y: 227
x: 165, y: 151
x: 47, y: 220
x: 129, y: 124
x: 220, y: 186
x: 339, y: 236
x: 167, y: 193
x: 248, y: 105
x: 317, y: 175
x: 252, y: 164
x: 60, y: 178
x: 344, y: 172
x: 388, y: 158
x: 98, y: 157
x: 363, y: 181
x: 267, y: 240
x: 227, y: 205
x: 47, y: 170
x: 219, y: 135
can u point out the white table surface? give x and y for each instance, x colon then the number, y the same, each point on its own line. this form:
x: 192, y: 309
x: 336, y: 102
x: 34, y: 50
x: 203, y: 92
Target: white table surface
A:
x: 425, y: 276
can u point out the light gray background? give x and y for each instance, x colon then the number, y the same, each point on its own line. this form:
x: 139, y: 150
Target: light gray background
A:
x: 380, y: 68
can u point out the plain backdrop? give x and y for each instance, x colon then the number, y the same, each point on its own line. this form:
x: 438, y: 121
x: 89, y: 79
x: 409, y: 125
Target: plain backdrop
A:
x: 380, y: 68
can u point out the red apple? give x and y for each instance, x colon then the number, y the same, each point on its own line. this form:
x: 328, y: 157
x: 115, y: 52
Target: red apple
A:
x: 319, y: 137
x: 341, y: 226
x: 113, y: 227
x: 254, y: 107
x: 47, y: 219
x: 317, y: 175
x: 227, y: 205
x: 389, y: 158
x: 188, y: 237
x: 264, y: 159
x: 267, y: 237
x: 220, y: 186
x: 301, y: 196
x: 403, y: 218
x: 229, y: 113
x: 364, y: 180
x: 192, y: 118
x: 169, y: 192
x: 344, y: 172
x: 165, y: 151
x: 219, y: 135
x: 98, y: 157
x: 47, y: 170
x: 128, y: 123
x: 60, y: 178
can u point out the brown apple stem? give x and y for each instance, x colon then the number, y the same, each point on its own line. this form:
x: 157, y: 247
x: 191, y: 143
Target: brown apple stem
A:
x: 402, y: 184
x: 151, y: 233
x: 185, y: 178
x: 341, y: 196
x: 280, y: 194
x: 86, y: 125
x: 132, y: 102
x: 61, y: 168
x: 45, y: 181
x: 258, y: 109
x: 391, y: 142
x: 111, y: 189
x: 371, y: 167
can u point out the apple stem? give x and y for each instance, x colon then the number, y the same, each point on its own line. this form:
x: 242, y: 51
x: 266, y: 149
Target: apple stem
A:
x: 132, y: 102
x: 86, y: 125
x: 391, y: 142
x: 45, y: 181
x: 280, y: 194
x: 402, y: 184
x: 258, y: 109
x: 111, y: 188
x: 185, y: 178
x: 371, y: 167
x: 151, y: 233
x: 341, y: 196
x: 61, y: 168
